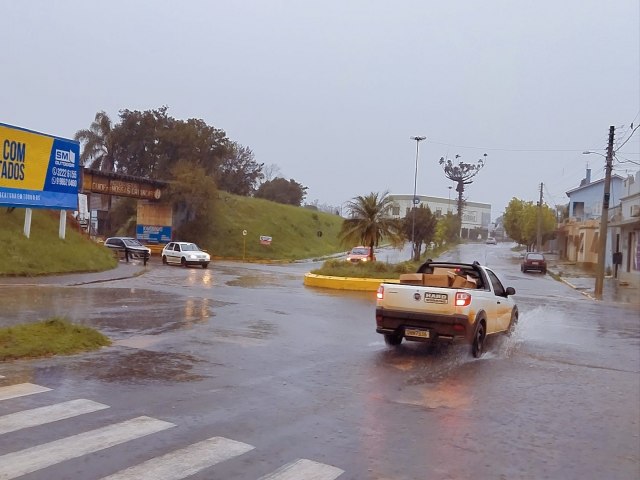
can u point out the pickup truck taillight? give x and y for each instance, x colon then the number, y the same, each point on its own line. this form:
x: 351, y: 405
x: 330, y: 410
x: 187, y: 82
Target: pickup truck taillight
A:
x: 463, y: 299
x: 380, y: 293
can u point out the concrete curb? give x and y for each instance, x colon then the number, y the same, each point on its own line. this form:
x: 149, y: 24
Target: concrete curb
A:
x: 345, y: 283
x: 586, y: 294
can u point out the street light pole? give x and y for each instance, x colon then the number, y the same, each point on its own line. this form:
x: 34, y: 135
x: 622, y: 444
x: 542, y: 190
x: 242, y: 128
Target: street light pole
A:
x: 449, y: 203
x: 418, y: 139
x: 604, y: 218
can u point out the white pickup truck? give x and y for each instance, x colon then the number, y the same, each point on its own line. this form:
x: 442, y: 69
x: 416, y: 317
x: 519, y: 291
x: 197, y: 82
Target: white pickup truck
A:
x: 446, y: 302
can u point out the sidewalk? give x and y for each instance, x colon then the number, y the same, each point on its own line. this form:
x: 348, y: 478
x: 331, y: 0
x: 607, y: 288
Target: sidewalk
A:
x: 123, y: 270
x: 584, y: 281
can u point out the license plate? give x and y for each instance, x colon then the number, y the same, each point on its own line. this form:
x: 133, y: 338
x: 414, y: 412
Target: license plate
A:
x: 410, y: 332
x: 534, y: 263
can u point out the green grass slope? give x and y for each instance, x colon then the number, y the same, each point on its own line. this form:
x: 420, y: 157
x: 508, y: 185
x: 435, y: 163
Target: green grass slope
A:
x: 297, y: 232
x: 44, y: 252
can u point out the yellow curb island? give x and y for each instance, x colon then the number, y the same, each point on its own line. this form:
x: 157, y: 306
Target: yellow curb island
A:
x: 345, y: 283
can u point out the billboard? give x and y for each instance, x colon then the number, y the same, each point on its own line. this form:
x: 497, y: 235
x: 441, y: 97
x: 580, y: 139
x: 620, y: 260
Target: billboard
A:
x: 38, y: 170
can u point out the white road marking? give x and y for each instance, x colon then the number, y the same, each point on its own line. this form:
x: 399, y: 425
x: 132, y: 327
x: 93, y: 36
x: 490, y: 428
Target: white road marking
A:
x: 29, y: 460
x: 20, y: 390
x: 184, y: 462
x: 307, y: 469
x: 48, y: 414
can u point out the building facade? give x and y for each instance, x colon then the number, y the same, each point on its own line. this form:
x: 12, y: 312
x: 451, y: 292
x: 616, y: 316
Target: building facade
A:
x: 625, y: 232
x: 476, y: 216
x: 579, y: 235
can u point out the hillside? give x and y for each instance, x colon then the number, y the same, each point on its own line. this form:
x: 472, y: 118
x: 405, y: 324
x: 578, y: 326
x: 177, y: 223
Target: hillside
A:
x: 43, y: 252
x: 296, y: 232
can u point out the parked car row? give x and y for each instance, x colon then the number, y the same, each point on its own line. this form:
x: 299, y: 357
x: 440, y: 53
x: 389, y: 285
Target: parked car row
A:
x: 175, y: 253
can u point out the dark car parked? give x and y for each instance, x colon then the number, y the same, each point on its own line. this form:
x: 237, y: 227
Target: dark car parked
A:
x: 128, y: 248
x: 534, y: 261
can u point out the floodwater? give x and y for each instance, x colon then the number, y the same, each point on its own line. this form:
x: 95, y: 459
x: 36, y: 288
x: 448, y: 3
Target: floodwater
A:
x: 246, y: 352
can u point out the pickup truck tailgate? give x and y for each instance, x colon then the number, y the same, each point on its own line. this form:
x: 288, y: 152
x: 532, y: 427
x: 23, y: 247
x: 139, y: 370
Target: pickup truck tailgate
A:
x: 435, y: 300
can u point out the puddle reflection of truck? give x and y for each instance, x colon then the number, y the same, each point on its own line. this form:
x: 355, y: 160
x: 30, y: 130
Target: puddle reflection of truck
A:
x: 446, y: 302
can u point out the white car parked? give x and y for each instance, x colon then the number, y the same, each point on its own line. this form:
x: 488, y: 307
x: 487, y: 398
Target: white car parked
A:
x: 185, y: 254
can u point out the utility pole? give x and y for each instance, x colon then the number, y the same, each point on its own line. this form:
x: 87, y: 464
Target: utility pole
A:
x: 539, y: 236
x: 604, y: 217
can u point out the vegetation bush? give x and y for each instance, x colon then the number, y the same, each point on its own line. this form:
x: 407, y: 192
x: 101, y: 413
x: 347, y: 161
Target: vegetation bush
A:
x: 55, y: 336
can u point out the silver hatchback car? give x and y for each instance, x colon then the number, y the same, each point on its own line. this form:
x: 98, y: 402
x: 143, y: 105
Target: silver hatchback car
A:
x: 185, y: 254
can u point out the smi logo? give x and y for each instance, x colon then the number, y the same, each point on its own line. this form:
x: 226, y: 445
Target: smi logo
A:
x: 67, y: 158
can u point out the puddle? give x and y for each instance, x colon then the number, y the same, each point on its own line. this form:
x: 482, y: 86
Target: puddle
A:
x: 141, y: 366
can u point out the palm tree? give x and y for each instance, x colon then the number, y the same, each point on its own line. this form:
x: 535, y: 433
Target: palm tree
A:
x: 369, y: 222
x: 98, y: 139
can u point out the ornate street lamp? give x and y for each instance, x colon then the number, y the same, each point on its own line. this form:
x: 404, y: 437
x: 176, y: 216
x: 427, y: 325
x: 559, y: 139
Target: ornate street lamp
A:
x: 414, y: 201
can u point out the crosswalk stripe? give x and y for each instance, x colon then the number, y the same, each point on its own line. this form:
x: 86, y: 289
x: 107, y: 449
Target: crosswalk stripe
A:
x: 48, y: 414
x: 307, y: 469
x: 184, y: 462
x: 29, y: 460
x: 20, y: 390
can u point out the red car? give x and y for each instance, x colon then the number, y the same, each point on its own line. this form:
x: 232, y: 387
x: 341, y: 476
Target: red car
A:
x: 534, y: 261
x: 359, y: 254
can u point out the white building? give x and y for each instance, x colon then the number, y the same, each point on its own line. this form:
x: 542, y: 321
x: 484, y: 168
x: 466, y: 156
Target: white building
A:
x: 625, y: 232
x: 475, y: 215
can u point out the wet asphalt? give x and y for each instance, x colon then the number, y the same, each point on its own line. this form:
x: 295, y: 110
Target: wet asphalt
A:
x: 247, y: 352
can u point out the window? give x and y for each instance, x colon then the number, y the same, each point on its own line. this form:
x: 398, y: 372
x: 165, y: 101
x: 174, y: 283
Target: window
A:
x: 497, y: 285
x: 395, y: 211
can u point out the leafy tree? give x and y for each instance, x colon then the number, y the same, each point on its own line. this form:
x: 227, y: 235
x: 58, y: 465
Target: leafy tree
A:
x: 369, y: 222
x: 521, y: 222
x: 150, y: 143
x: 447, y: 229
x: 123, y: 216
x: 239, y: 172
x: 461, y: 174
x: 424, y: 231
x: 192, y: 194
x: 284, y: 191
x: 98, y: 144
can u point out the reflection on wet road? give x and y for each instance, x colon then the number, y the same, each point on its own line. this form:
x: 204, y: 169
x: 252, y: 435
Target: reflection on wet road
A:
x: 247, y: 353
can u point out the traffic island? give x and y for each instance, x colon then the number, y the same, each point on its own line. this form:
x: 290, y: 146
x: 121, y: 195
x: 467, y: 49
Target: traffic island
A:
x: 345, y: 283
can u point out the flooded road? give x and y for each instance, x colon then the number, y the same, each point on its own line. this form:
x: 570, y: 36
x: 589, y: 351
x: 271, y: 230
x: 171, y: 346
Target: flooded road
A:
x: 275, y: 377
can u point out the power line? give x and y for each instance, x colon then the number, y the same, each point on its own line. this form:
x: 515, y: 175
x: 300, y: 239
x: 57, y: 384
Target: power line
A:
x: 519, y: 149
x: 628, y: 138
x: 626, y: 160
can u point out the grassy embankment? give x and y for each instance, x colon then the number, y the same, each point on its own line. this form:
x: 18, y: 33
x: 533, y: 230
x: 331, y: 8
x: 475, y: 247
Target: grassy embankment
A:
x: 297, y: 232
x: 44, y: 253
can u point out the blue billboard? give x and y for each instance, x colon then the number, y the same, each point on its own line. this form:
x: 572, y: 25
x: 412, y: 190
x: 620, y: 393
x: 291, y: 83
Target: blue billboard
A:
x: 38, y: 170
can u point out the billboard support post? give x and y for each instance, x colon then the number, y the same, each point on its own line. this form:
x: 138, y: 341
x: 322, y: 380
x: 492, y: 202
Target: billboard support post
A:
x: 27, y: 222
x: 62, y: 229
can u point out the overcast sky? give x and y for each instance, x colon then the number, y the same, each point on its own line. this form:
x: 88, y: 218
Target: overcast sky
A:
x: 331, y: 91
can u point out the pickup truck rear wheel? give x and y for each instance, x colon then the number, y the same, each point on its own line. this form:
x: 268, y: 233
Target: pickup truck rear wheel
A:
x: 392, y: 339
x: 478, y: 341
